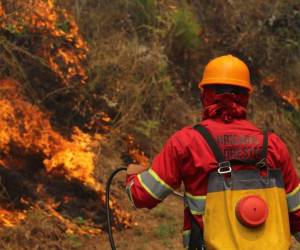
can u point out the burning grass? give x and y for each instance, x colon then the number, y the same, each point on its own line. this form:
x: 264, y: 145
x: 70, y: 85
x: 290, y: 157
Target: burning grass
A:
x: 40, y: 230
x: 291, y: 96
x: 25, y: 130
x: 49, y: 32
x: 42, y: 168
x: 39, y: 164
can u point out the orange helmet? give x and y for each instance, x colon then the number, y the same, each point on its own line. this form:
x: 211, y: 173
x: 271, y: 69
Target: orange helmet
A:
x: 228, y: 70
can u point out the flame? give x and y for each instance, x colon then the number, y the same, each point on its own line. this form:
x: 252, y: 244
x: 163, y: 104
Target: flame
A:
x: 24, y: 126
x: 75, y: 159
x: 135, y: 153
x: 62, y: 45
x: 51, y: 33
x: 100, y: 120
x: 289, y: 96
x: 2, y: 13
x: 270, y: 80
x: 292, y: 98
x: 11, y: 219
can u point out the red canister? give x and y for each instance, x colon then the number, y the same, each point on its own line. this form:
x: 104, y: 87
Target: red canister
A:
x: 252, y: 211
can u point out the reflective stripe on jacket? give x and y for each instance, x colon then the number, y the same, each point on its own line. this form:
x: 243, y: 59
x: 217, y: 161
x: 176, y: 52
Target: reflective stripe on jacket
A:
x: 187, y: 158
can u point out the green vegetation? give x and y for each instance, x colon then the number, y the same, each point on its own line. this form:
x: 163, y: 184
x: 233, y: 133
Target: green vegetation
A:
x: 165, y: 231
x: 185, y: 32
x: 294, y: 117
x: 144, y: 13
x: 75, y: 242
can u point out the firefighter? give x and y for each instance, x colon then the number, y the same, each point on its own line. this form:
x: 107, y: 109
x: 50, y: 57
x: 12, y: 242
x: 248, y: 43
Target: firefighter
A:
x: 241, y: 188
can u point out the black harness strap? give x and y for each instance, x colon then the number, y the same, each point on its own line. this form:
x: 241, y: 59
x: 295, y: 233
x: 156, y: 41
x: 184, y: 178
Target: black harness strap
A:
x: 196, y: 238
x: 211, y: 142
x: 264, y: 151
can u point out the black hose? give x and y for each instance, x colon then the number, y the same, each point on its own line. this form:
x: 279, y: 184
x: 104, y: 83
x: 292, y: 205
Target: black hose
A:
x: 108, y: 211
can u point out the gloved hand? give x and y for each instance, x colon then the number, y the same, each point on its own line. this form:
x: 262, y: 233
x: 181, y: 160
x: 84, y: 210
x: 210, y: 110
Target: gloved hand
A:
x: 135, y: 169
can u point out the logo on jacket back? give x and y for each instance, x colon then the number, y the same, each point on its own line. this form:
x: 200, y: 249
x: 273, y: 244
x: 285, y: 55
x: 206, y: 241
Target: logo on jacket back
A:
x: 239, y: 147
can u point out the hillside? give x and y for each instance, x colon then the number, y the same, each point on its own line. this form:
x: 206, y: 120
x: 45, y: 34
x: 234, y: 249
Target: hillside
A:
x: 89, y: 85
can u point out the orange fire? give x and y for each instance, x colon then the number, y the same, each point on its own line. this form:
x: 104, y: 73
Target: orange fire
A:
x: 135, y: 153
x: 270, y: 80
x: 292, y: 98
x: 10, y: 219
x: 289, y: 96
x: 25, y: 129
x: 24, y: 126
x: 54, y: 35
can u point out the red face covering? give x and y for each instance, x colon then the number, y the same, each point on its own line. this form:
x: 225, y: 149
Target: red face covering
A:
x: 226, y: 106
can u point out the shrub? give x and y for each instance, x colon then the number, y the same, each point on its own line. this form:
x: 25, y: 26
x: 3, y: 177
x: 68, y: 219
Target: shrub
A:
x: 185, y: 29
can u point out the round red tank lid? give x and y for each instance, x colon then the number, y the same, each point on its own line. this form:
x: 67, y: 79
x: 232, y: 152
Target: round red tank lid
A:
x: 252, y: 211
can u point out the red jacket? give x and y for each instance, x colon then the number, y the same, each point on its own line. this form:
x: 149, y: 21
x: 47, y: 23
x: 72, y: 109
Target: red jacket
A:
x: 187, y: 158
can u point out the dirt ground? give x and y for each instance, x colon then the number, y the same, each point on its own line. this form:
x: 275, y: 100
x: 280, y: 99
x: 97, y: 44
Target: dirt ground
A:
x: 159, y: 228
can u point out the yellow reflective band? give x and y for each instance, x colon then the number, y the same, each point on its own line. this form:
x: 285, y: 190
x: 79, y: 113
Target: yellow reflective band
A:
x: 154, y: 185
x: 294, y: 209
x: 147, y: 189
x: 185, y: 232
x: 197, y: 212
x: 195, y: 203
x: 196, y: 197
x: 294, y: 191
x: 156, y: 177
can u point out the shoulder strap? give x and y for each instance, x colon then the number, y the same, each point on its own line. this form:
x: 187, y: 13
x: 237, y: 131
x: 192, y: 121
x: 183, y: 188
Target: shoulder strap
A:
x: 196, y: 238
x: 265, y: 145
x: 264, y: 151
x: 211, y: 142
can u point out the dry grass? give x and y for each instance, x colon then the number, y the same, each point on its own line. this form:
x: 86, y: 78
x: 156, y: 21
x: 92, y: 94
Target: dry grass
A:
x: 38, y: 232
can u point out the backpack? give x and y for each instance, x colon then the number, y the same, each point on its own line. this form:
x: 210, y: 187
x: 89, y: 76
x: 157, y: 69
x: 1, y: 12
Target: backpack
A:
x: 244, y: 209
